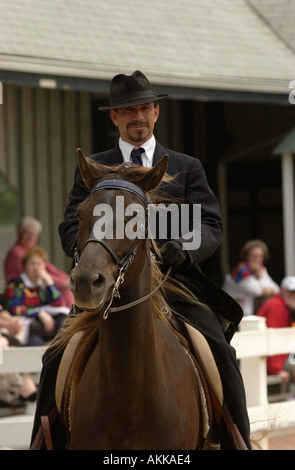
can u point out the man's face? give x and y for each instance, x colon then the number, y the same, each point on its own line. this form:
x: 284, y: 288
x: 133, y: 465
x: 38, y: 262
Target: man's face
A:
x: 136, y: 123
x: 33, y: 267
x: 28, y: 237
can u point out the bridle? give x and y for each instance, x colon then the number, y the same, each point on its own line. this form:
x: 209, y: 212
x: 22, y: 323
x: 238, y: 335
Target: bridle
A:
x: 127, y: 259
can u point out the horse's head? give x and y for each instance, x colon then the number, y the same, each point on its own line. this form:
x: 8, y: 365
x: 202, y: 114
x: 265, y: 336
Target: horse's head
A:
x: 111, y: 223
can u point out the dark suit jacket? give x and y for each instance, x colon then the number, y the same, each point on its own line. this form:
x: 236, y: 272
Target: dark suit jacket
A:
x: 190, y: 186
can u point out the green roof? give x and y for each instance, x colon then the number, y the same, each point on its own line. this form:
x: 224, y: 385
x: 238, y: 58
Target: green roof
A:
x: 287, y: 144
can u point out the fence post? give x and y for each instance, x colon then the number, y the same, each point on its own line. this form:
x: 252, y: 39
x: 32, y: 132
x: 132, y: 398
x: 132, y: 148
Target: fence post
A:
x: 254, y: 369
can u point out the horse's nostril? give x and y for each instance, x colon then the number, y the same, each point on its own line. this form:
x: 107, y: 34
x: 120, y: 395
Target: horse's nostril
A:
x: 88, y: 288
x: 97, y: 281
x: 84, y: 281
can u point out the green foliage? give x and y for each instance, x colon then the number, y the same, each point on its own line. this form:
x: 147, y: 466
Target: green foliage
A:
x: 8, y: 203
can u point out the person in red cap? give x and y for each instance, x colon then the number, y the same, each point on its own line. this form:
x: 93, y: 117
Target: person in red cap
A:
x: 279, y: 312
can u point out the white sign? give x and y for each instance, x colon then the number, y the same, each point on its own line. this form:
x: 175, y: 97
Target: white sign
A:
x: 292, y: 93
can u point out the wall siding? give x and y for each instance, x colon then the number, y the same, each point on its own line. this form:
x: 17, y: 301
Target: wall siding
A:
x: 40, y: 130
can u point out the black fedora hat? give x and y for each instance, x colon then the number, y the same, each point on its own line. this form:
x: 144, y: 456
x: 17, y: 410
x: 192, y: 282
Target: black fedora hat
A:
x: 131, y: 90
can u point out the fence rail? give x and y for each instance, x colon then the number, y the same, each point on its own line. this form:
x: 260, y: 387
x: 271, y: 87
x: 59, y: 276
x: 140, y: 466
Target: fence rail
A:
x: 253, y: 343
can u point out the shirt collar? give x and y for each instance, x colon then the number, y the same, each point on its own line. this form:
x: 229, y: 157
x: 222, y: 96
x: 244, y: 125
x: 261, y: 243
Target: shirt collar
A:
x: 148, y: 146
x: 28, y: 283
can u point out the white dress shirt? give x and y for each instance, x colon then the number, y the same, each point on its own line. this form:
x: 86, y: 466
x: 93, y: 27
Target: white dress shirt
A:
x: 147, y: 155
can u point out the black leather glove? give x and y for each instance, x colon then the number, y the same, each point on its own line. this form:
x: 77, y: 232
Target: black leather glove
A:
x: 173, y: 255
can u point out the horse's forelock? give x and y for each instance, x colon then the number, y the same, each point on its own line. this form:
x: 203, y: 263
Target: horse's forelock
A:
x: 125, y: 171
x: 134, y: 174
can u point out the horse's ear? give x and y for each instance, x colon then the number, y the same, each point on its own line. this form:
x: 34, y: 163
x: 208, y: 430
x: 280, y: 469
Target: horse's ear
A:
x: 154, y: 177
x: 89, y: 170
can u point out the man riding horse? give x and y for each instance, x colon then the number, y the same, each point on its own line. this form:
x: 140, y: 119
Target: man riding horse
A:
x: 134, y: 109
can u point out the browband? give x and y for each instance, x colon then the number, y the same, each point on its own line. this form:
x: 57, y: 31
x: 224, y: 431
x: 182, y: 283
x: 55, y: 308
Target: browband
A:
x: 121, y: 184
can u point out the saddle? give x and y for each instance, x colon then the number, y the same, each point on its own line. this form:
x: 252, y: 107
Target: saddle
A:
x: 208, y: 378
x: 213, y: 404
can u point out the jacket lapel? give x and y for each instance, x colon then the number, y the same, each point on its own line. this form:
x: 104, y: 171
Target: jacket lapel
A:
x: 115, y: 156
x: 160, y: 151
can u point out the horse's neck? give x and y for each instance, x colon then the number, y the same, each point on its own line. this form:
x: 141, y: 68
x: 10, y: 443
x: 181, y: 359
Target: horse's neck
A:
x: 128, y: 328
x: 127, y: 337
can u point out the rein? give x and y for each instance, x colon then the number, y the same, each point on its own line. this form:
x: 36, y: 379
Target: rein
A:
x: 124, y: 263
x: 135, y: 302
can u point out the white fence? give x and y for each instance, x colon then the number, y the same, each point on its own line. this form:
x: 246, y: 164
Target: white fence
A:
x: 15, y: 431
x: 253, y: 343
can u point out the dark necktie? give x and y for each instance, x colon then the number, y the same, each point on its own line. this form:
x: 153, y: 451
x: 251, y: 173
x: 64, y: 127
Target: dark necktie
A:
x: 136, y: 156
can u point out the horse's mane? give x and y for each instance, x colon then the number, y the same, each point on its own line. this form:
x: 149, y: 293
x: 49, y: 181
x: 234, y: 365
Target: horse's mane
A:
x: 88, y: 321
x: 135, y: 174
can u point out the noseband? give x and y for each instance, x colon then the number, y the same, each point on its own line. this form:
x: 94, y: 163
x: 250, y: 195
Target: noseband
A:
x: 124, y: 262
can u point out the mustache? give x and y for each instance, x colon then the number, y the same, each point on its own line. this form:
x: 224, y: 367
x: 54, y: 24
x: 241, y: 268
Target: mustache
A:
x: 137, y: 123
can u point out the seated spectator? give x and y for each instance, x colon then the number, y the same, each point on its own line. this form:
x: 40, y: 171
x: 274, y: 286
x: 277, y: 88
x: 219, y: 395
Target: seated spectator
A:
x: 279, y: 312
x: 10, y: 327
x: 249, y: 280
x: 35, y: 298
x: 28, y: 232
x: 15, y: 389
x: 9, y: 389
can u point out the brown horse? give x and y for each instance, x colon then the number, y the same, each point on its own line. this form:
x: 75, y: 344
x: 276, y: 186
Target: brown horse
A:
x: 132, y: 383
